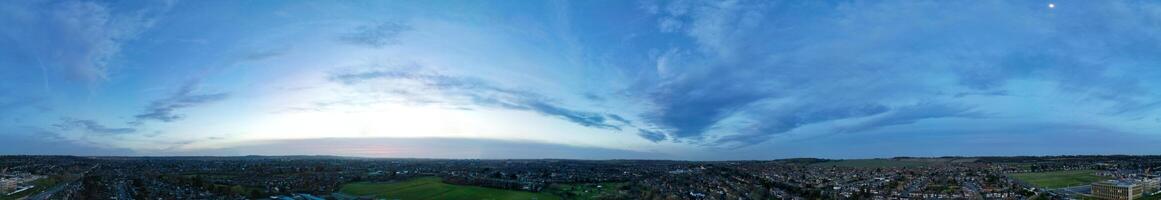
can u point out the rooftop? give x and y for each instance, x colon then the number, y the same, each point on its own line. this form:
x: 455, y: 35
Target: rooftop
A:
x: 1121, y: 182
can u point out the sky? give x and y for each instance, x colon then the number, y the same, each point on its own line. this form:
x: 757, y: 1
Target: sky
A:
x: 686, y: 80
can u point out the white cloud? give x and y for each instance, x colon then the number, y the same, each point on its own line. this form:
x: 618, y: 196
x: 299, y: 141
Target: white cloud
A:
x: 78, y: 39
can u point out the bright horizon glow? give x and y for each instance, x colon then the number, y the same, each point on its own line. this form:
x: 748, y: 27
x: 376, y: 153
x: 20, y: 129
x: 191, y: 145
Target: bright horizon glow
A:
x: 698, y: 80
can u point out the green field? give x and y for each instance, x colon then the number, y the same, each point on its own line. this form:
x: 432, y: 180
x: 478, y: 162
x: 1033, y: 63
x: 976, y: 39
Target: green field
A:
x: 41, y: 185
x: 435, y: 188
x: 1059, y: 179
x: 589, y: 190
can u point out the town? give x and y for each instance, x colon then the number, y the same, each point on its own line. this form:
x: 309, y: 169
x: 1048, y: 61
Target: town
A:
x: 330, y: 177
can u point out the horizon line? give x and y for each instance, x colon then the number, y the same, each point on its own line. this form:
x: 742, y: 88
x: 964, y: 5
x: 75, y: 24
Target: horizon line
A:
x: 432, y: 158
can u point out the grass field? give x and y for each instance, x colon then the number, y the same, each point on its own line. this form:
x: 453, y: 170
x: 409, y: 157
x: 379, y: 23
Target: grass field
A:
x: 1059, y: 179
x: 588, y: 190
x: 434, y: 188
x: 41, y: 185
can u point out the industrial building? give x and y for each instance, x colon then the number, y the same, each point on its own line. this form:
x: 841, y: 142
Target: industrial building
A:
x: 1118, y: 189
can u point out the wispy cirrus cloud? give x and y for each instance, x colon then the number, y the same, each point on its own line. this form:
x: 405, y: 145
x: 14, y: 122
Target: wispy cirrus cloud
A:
x: 376, y: 35
x: 11, y: 101
x: 90, y: 126
x: 653, y: 136
x: 35, y: 141
x: 746, y: 71
x: 756, y: 125
x: 416, y: 85
x: 457, y: 148
x: 713, y: 76
x: 913, y: 113
x: 165, y: 109
x: 77, y: 39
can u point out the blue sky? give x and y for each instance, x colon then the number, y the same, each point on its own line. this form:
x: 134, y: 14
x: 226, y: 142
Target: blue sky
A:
x: 699, y: 80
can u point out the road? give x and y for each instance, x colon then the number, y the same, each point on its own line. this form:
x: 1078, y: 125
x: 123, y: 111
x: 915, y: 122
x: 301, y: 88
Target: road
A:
x: 122, y: 191
x: 48, y: 193
x: 1075, y: 190
x: 53, y: 190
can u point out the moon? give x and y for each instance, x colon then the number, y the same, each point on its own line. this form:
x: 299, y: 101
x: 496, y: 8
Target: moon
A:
x: 1051, y: 5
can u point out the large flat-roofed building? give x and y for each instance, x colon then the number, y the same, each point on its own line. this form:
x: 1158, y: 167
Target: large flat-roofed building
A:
x: 1117, y: 189
x: 6, y: 185
x: 1151, y: 184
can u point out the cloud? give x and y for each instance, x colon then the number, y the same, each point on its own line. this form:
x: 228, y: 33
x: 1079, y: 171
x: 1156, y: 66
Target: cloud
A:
x: 653, y: 136
x: 165, y: 109
x: 414, y: 85
x: 39, y: 142
x: 731, y: 74
x: 10, y: 102
x: 77, y: 38
x: 914, y: 113
x: 452, y: 148
x: 376, y: 35
x: 90, y: 126
x: 977, y: 139
x: 783, y: 119
x: 264, y: 54
x: 618, y: 118
x: 749, y: 70
x: 982, y: 93
x: 588, y: 119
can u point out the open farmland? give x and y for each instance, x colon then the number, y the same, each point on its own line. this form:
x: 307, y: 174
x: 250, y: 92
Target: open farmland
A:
x: 1059, y: 179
